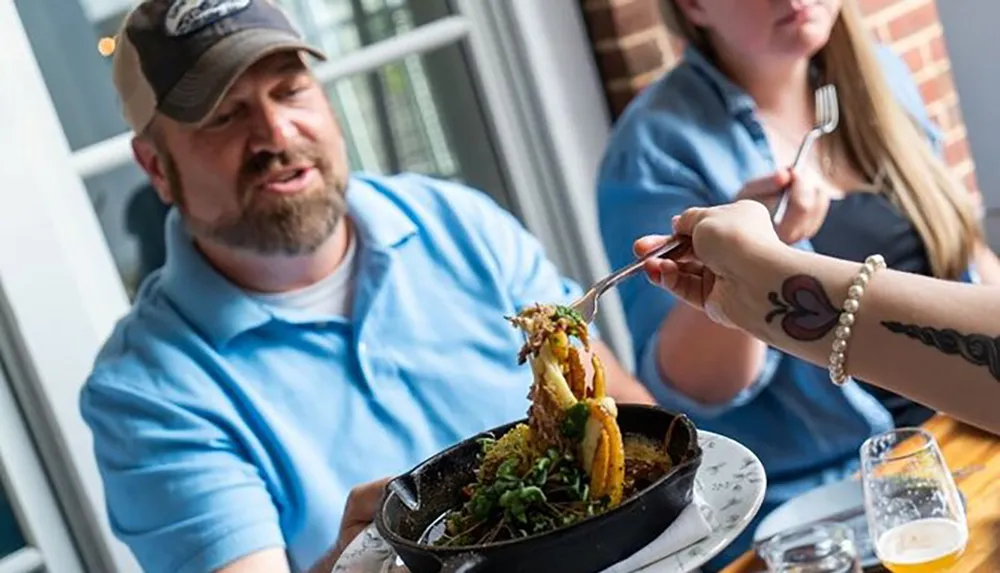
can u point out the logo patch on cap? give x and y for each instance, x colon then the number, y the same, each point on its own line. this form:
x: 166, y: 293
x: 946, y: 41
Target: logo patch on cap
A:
x: 186, y: 16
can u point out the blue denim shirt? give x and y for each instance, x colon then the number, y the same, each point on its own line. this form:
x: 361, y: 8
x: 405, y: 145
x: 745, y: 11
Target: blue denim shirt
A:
x: 693, y: 138
x: 223, y: 426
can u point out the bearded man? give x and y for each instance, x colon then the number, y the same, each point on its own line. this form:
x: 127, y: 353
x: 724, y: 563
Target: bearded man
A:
x: 312, y: 331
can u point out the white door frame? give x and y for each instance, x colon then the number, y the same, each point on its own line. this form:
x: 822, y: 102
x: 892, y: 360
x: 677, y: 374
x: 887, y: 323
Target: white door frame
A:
x: 62, y: 289
x: 64, y: 293
x: 535, y: 63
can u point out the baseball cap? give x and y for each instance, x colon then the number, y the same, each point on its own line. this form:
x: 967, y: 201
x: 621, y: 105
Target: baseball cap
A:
x: 180, y: 57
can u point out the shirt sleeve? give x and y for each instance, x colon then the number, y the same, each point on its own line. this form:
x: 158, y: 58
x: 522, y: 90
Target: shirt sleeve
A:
x: 178, y: 491
x: 640, y: 188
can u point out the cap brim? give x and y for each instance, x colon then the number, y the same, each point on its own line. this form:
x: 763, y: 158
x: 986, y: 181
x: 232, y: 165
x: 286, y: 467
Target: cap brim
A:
x: 200, y: 90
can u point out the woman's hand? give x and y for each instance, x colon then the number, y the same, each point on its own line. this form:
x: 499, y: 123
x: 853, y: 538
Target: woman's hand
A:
x: 726, y: 241
x: 808, y: 202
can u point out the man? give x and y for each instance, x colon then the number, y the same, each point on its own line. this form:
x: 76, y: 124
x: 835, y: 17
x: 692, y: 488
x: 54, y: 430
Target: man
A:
x: 311, y: 332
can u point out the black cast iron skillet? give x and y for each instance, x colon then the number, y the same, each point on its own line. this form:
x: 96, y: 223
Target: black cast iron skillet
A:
x: 416, y: 500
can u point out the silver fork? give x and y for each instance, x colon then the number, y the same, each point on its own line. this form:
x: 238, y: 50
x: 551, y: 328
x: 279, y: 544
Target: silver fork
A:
x: 827, y: 118
x: 586, y: 305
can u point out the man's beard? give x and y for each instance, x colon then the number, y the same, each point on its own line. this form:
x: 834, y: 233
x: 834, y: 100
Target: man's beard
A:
x: 270, y: 224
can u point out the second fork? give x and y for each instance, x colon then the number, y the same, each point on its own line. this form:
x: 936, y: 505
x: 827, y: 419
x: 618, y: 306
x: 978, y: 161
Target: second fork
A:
x: 827, y: 118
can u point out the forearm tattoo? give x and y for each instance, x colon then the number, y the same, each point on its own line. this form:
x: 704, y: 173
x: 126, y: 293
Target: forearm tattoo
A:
x: 804, y: 307
x: 808, y: 315
x: 977, y: 349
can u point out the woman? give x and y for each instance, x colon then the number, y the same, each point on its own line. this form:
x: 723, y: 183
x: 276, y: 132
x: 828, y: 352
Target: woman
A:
x: 934, y: 341
x: 734, y: 111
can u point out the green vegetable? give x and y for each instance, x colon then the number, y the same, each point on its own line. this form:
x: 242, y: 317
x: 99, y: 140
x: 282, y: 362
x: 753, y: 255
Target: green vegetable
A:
x: 552, y: 492
x: 575, y: 422
x: 568, y: 313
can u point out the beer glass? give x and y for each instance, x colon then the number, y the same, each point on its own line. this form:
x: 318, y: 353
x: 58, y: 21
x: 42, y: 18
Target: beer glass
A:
x: 915, y: 514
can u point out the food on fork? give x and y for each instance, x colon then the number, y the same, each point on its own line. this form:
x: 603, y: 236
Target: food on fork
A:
x: 566, y: 412
x: 570, y: 460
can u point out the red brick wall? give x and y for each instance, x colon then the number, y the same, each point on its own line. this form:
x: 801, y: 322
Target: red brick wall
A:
x: 632, y: 48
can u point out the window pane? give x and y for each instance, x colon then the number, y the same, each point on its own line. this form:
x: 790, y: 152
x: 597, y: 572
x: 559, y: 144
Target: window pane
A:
x: 11, y: 538
x: 421, y: 114
x: 65, y: 34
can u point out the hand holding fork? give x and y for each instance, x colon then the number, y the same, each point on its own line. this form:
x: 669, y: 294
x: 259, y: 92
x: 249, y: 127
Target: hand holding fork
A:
x: 827, y: 118
x: 800, y: 201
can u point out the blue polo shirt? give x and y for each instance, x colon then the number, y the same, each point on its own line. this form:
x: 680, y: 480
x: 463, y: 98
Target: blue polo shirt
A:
x: 223, y: 426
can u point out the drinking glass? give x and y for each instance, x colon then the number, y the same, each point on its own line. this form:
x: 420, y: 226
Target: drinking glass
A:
x: 817, y: 548
x: 915, y: 515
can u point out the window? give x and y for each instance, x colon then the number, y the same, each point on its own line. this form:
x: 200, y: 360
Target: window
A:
x: 405, y: 115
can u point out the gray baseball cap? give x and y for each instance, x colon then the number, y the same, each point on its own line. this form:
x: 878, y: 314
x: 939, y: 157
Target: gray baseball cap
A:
x: 180, y: 57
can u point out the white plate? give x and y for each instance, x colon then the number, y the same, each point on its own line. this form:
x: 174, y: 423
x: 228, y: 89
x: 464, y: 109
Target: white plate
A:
x: 730, y: 481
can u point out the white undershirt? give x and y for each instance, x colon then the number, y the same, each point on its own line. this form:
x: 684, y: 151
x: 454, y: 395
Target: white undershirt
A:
x: 331, y: 296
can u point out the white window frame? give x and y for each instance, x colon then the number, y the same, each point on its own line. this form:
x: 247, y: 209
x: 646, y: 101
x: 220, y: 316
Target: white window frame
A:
x: 64, y: 294
x: 31, y: 498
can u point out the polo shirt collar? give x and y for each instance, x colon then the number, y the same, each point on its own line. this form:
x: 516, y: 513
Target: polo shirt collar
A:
x: 381, y: 221
x: 219, y: 309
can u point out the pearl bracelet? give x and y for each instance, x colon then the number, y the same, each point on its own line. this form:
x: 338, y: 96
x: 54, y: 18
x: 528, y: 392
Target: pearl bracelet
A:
x: 842, y: 334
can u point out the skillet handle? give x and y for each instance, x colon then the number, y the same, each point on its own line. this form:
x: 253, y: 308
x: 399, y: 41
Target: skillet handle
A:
x: 405, y: 487
x: 463, y: 563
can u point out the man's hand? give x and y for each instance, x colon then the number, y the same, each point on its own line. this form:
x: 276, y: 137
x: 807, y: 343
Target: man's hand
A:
x: 359, y: 511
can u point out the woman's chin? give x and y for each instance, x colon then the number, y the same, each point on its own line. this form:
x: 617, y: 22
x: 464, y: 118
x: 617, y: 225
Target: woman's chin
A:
x: 806, y: 42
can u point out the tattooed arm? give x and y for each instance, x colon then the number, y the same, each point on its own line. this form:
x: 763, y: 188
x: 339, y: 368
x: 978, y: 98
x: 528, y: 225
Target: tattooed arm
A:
x: 934, y: 341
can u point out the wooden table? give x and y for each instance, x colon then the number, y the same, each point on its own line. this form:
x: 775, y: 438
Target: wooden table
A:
x: 962, y: 446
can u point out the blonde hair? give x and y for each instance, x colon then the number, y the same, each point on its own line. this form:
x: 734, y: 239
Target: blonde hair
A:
x: 877, y: 137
